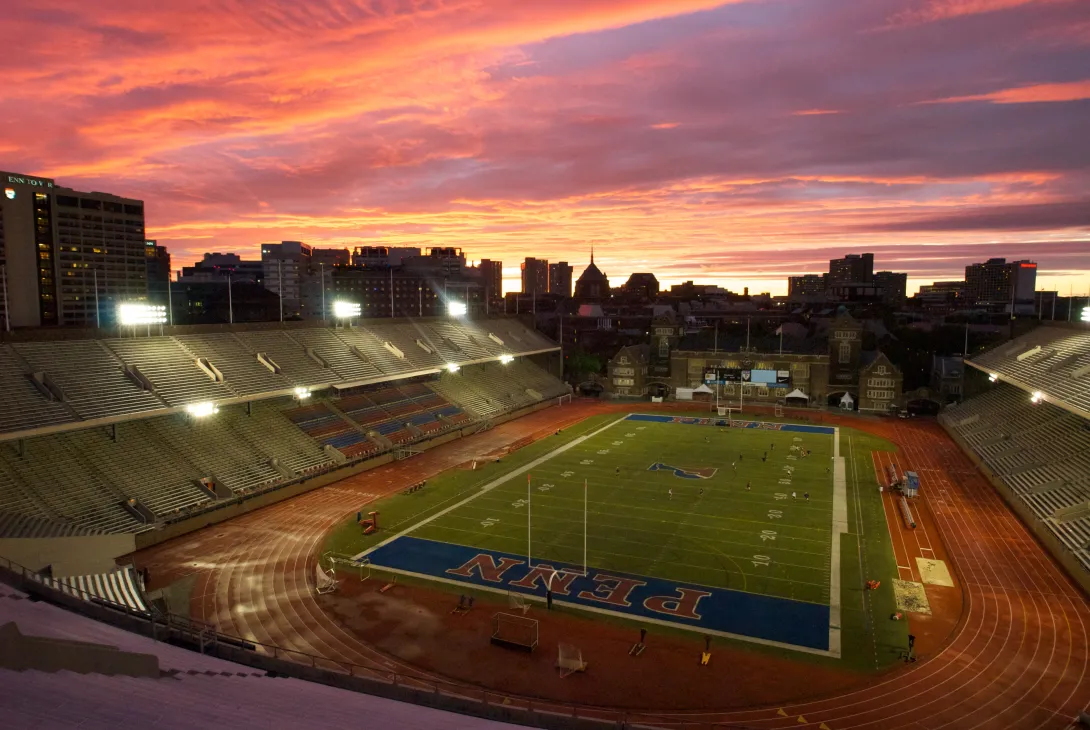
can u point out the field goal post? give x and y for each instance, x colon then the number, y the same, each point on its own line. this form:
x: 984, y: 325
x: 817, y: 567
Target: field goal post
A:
x: 569, y: 660
x: 515, y: 632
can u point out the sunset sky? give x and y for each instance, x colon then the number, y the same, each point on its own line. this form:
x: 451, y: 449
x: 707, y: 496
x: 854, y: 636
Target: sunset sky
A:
x: 732, y: 143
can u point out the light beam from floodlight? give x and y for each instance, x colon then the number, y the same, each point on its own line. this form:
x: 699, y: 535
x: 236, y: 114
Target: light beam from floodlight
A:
x: 132, y: 314
x: 506, y: 359
x: 457, y: 309
x: 346, y: 310
x: 202, y: 409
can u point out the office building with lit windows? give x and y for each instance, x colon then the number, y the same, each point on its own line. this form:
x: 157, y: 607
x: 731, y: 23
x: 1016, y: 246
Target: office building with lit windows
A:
x: 67, y: 257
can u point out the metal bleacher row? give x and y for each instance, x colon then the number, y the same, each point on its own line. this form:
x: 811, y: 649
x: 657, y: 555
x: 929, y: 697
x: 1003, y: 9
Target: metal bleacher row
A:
x: 1052, y: 359
x: 86, y: 477
x: 1040, y: 451
x: 65, y: 382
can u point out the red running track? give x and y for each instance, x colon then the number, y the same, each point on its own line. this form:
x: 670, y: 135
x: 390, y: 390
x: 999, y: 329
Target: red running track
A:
x: 1017, y: 660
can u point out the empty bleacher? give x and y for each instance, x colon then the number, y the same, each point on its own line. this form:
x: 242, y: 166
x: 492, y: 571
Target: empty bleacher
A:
x: 171, y: 368
x: 289, y: 355
x: 1040, y: 451
x: 1056, y: 360
x: 242, y: 373
x: 67, y: 485
x: 91, y: 377
x: 25, y: 407
x: 327, y: 427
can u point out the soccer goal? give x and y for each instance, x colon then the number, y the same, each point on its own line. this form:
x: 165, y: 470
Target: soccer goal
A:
x: 515, y: 632
x: 362, y: 567
x: 569, y: 660
x: 325, y: 582
x: 517, y: 602
x: 566, y: 398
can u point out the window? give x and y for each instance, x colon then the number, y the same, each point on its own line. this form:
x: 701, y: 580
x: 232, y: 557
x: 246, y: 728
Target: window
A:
x: 845, y: 352
x: 880, y: 394
x: 882, y: 370
x: 880, y: 382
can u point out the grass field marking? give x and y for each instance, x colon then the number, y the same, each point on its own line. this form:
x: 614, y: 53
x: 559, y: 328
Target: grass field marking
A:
x: 840, y: 526
x: 490, y: 486
x: 659, y: 511
x: 617, y: 614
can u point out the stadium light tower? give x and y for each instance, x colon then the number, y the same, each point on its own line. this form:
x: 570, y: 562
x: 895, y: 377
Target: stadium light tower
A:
x: 1086, y: 314
x: 136, y: 314
x: 993, y: 378
x: 457, y: 309
x: 346, y: 310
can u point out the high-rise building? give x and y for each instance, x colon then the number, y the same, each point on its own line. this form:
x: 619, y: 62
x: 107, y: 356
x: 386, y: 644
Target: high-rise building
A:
x: 216, y: 267
x: 382, y: 255
x: 535, y: 276
x: 285, y: 265
x: 157, y: 259
x: 68, y: 258
x: 893, y: 286
x: 998, y: 282
x: 806, y: 285
x: 492, y: 278
x: 852, y: 269
x: 398, y: 292
x: 560, y: 279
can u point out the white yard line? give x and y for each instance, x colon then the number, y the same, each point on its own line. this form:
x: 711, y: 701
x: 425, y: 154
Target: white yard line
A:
x: 498, y: 481
x: 840, y: 527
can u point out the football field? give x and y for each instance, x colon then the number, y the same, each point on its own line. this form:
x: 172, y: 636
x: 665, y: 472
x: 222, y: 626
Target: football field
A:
x: 677, y: 520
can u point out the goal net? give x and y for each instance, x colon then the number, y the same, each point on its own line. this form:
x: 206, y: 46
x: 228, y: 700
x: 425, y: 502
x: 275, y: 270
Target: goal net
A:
x: 361, y: 567
x: 570, y: 660
x: 325, y: 582
x: 517, y: 602
x: 517, y: 632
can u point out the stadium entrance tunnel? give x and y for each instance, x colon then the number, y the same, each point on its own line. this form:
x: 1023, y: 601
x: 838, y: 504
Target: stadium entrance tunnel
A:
x: 658, y: 390
x: 590, y: 388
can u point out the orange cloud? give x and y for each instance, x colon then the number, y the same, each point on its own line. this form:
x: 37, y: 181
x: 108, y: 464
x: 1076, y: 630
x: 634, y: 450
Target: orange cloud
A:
x: 1035, y: 94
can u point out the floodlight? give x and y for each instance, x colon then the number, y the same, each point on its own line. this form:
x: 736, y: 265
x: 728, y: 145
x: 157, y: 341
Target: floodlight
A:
x: 9, y: 193
x: 202, y: 409
x: 505, y: 359
x: 1086, y: 314
x: 302, y: 393
x: 457, y: 309
x: 1037, y: 397
x: 994, y: 377
x: 346, y: 310
x: 453, y: 367
x: 131, y: 314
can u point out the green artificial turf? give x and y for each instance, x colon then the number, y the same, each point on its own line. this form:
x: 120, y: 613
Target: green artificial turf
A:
x: 710, y: 532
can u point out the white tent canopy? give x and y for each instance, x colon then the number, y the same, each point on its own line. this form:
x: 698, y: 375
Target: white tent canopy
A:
x: 796, y: 393
x: 702, y: 388
x: 847, y: 402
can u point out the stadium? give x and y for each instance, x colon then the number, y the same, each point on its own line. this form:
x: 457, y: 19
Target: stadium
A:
x: 413, y: 523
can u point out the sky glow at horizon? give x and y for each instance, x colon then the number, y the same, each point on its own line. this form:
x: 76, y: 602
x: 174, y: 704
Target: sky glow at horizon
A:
x: 730, y: 143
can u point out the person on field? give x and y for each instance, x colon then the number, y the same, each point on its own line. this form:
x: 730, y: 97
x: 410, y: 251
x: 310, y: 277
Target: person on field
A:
x: 806, y: 496
x: 671, y: 493
x: 747, y: 486
x: 794, y: 496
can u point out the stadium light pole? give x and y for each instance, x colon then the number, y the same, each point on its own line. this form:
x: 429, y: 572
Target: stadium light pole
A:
x: 230, y: 302
x: 529, y: 560
x: 98, y: 309
x: 325, y: 313
x: 280, y: 288
x: 585, y: 498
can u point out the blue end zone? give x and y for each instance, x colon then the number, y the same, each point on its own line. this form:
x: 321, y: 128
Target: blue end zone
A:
x: 695, y: 607
x: 734, y: 423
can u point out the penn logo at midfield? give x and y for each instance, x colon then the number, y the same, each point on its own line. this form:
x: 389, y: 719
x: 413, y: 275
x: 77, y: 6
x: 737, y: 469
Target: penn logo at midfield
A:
x: 706, y: 472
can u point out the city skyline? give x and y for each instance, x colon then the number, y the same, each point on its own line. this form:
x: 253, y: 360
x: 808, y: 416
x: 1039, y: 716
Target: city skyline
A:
x: 735, y: 144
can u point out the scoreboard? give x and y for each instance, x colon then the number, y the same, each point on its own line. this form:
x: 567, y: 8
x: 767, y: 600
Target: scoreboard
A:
x: 767, y: 378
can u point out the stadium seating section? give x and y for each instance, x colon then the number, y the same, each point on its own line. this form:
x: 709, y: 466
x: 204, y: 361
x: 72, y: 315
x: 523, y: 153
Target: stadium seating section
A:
x: 369, y: 398
x: 1041, y: 451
